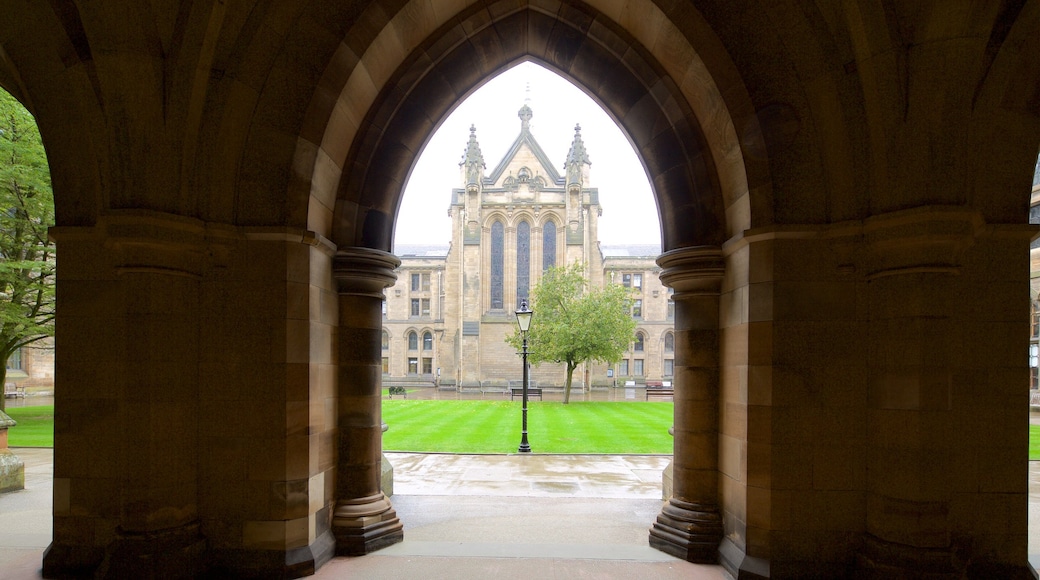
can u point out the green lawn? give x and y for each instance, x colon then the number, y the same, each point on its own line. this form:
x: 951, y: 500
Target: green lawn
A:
x: 35, y: 426
x: 494, y: 427
x: 485, y: 427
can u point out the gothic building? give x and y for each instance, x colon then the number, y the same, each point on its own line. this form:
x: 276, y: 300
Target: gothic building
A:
x: 447, y: 316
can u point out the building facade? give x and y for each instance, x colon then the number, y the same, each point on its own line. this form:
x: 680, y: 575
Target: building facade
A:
x: 447, y: 316
x: 1034, y: 292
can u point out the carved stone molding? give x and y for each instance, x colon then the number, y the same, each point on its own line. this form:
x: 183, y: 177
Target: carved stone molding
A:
x: 692, y: 271
x: 364, y: 271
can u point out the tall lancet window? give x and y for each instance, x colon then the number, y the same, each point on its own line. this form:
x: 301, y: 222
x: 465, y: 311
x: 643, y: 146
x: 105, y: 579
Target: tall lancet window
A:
x: 523, y: 261
x: 498, y: 263
x: 548, y: 245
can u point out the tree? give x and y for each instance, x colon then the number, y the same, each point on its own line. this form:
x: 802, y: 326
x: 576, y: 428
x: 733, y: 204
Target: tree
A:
x: 573, y: 323
x: 26, y: 254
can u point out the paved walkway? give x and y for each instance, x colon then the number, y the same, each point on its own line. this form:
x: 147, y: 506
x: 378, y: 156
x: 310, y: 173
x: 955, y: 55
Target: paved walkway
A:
x: 491, y: 516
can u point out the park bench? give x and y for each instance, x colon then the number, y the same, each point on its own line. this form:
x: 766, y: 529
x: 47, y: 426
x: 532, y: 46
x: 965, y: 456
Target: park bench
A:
x: 531, y: 392
x: 14, y: 390
x: 400, y: 385
x: 496, y: 386
x: 659, y: 389
x: 408, y: 381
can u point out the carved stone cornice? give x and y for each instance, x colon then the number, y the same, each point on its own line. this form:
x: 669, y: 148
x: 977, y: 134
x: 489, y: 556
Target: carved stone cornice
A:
x: 364, y: 271
x: 694, y: 270
x: 929, y: 239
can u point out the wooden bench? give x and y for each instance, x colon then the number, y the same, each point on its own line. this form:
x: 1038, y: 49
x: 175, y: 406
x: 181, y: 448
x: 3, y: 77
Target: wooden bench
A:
x: 531, y: 392
x: 14, y: 390
x: 659, y: 389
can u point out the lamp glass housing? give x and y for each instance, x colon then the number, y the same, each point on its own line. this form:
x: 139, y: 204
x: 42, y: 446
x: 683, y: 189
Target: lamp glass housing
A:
x: 523, y: 316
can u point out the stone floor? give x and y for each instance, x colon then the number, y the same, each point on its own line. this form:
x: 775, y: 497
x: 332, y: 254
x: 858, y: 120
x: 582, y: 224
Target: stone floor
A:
x: 490, y: 516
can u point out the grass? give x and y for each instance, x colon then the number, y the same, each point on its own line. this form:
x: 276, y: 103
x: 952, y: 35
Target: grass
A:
x: 485, y: 427
x: 494, y: 427
x: 35, y: 426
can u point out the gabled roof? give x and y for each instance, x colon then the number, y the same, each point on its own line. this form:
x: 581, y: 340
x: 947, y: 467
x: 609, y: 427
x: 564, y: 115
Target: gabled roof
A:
x: 525, y: 137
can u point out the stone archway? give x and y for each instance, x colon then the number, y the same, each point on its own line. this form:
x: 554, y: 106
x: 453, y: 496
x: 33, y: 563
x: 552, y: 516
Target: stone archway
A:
x: 701, y: 204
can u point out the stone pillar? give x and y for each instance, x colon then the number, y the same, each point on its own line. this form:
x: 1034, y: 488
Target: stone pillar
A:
x: 690, y: 524
x: 12, y: 469
x: 127, y: 399
x: 920, y: 384
x: 363, y: 520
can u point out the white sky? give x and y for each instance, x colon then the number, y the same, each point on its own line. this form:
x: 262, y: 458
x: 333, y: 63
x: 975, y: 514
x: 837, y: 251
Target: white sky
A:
x: 629, y: 211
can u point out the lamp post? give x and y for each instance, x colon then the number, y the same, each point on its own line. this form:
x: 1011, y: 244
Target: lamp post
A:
x: 523, y: 318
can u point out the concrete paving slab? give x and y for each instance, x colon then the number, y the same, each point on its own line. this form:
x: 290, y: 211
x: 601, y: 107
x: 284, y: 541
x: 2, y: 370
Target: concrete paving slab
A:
x: 520, y: 527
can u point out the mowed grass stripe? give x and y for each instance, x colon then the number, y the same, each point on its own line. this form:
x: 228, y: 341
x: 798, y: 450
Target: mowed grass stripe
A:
x: 494, y: 427
x: 35, y: 426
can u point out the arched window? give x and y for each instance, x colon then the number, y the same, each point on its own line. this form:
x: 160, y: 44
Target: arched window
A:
x: 523, y: 261
x: 669, y: 342
x: 413, y: 341
x: 548, y: 245
x: 386, y: 340
x: 639, y: 343
x: 427, y: 341
x: 498, y: 238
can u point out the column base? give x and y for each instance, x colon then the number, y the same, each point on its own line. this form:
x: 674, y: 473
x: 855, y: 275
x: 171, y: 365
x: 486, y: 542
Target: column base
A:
x: 690, y: 531
x: 12, y: 471
x: 173, y: 553
x: 880, y: 559
x: 273, y: 564
x: 740, y: 565
x: 364, y: 525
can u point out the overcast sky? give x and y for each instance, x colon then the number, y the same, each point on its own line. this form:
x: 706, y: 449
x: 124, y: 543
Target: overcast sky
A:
x: 629, y: 212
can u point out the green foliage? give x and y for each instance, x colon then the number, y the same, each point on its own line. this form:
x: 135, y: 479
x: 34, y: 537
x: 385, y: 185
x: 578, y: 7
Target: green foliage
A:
x: 573, y: 323
x: 1034, y: 442
x: 26, y: 211
x: 35, y: 426
x: 494, y: 427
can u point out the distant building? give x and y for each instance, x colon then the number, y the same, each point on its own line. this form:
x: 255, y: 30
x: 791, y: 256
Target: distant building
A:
x: 446, y: 318
x: 1034, y: 290
x: 30, y: 369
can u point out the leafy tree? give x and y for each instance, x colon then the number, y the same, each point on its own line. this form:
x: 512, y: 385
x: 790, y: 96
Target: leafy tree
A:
x: 573, y: 323
x: 26, y: 255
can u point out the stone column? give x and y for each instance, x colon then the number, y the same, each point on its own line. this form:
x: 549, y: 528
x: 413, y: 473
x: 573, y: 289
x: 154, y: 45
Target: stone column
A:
x: 914, y: 264
x: 363, y: 520
x: 690, y: 524
x: 127, y: 399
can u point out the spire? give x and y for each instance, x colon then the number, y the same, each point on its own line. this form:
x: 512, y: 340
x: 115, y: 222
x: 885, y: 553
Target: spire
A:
x: 577, y: 154
x: 577, y: 161
x: 473, y: 160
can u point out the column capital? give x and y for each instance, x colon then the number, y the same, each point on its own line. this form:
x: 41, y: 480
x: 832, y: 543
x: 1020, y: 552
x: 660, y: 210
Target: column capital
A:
x: 693, y: 270
x: 364, y: 271
x: 929, y: 239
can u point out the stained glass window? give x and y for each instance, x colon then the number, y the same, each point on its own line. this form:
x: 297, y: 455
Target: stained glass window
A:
x: 523, y: 261
x: 498, y: 238
x: 548, y: 245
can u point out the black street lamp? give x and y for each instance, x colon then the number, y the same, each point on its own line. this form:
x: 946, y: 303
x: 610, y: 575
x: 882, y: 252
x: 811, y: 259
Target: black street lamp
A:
x: 523, y: 318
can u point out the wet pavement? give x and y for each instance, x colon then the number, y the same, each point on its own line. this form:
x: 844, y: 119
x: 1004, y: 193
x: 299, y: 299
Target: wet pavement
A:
x: 473, y: 516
